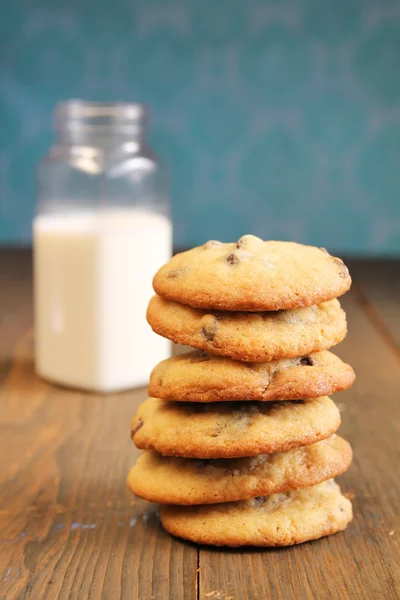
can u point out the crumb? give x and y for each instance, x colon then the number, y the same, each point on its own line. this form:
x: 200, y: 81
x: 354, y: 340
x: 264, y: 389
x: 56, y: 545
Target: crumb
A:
x: 391, y: 532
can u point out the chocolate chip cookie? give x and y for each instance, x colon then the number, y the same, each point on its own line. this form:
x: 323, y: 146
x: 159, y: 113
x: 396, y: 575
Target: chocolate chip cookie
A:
x: 250, y: 336
x: 172, y: 480
x: 252, y: 275
x: 201, y: 377
x: 277, y: 520
x: 232, y: 429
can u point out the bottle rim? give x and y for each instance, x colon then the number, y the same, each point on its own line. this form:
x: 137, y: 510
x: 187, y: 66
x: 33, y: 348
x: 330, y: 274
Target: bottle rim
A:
x: 93, y: 116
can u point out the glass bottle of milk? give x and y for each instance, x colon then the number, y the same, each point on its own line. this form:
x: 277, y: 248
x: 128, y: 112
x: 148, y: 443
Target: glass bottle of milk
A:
x: 101, y: 231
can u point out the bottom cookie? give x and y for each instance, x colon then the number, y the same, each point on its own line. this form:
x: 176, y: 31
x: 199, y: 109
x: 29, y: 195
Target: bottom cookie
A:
x: 278, y: 520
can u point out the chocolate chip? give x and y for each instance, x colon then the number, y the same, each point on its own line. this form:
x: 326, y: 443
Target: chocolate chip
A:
x: 232, y: 259
x: 176, y: 273
x: 212, y: 243
x: 259, y: 501
x: 343, y: 270
x: 306, y: 361
x: 217, y: 431
x: 209, y: 329
x: 135, y: 428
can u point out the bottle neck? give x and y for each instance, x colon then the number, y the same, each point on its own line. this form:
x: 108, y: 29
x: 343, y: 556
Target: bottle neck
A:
x: 104, y: 126
x: 105, y: 140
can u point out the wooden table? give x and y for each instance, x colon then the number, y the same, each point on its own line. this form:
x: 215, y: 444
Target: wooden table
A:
x: 70, y: 529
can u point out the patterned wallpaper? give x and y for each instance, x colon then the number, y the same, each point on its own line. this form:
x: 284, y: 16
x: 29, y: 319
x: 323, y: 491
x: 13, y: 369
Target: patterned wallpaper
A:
x: 279, y: 117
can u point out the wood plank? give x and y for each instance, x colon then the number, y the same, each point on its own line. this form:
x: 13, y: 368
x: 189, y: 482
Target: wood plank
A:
x: 379, y: 283
x: 69, y: 527
x: 362, y: 562
x: 15, y: 300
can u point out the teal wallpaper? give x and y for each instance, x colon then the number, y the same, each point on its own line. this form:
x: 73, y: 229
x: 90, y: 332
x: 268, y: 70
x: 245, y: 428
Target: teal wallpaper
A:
x: 279, y: 117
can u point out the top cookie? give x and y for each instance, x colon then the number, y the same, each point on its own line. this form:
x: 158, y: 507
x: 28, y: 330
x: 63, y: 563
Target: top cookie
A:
x: 252, y: 275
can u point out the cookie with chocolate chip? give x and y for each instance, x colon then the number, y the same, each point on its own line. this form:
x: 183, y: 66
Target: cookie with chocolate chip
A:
x: 252, y: 275
x: 173, y: 480
x: 201, y: 377
x: 250, y: 336
x: 232, y: 429
x: 277, y: 520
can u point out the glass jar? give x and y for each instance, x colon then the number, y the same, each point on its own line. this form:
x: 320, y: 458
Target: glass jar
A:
x: 101, y: 231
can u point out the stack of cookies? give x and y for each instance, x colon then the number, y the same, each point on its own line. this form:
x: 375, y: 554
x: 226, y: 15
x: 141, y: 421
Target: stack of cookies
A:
x: 239, y: 435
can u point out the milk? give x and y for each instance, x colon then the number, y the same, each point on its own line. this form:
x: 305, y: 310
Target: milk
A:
x: 93, y: 274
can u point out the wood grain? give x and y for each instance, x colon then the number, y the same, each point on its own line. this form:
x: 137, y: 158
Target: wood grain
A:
x: 69, y: 528
x: 15, y: 301
x: 378, y: 283
x: 362, y: 562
